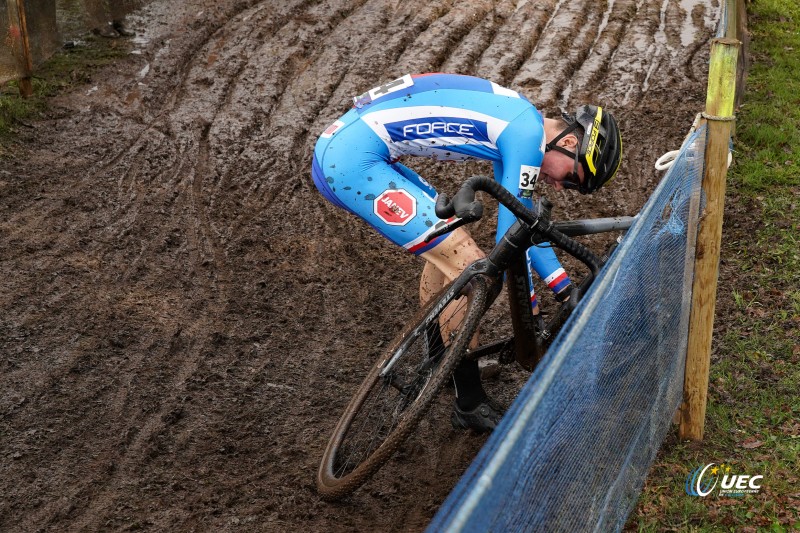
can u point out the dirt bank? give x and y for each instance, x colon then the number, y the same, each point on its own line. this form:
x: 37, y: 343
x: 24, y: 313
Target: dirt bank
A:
x: 183, y: 317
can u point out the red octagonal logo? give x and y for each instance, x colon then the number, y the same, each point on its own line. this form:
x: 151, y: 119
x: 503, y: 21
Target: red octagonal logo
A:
x: 396, y: 207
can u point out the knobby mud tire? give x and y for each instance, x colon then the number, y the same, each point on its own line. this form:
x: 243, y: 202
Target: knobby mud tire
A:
x: 332, y: 487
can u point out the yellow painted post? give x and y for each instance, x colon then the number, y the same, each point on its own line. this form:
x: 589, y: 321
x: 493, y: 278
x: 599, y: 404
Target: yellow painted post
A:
x: 719, y: 116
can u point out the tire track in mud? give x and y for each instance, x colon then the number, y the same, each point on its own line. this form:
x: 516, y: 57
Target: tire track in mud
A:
x: 615, y: 21
x: 557, y: 54
x: 465, y: 56
x: 192, y: 71
x: 652, y: 41
x: 434, y: 46
x: 248, y: 170
x: 519, y: 29
x: 179, y: 70
x: 187, y: 101
x: 240, y: 307
x: 154, y: 424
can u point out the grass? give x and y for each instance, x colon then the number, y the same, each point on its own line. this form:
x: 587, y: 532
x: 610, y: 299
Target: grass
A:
x: 64, y: 70
x: 753, y: 416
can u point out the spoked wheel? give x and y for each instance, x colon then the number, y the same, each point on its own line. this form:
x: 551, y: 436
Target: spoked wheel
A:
x: 400, y: 388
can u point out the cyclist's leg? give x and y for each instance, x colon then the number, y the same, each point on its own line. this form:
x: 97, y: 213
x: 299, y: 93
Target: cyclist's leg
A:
x: 440, y: 269
x: 447, y: 258
x: 351, y: 168
x: 431, y: 281
x: 444, y: 262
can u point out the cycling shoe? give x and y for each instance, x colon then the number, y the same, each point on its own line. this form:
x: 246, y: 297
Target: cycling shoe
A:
x: 482, y: 419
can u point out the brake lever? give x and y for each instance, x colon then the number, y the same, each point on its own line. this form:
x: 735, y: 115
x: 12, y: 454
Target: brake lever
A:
x: 447, y: 228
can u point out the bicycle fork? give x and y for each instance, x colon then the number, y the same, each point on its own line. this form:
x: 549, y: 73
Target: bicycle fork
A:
x: 528, y: 345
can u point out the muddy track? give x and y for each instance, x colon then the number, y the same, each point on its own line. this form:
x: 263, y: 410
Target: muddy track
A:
x: 182, y: 316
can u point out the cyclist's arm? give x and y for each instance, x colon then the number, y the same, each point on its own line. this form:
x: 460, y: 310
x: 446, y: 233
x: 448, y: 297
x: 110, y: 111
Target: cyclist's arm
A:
x: 521, y: 146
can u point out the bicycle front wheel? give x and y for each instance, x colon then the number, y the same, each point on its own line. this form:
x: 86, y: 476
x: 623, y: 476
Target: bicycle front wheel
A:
x: 400, y: 388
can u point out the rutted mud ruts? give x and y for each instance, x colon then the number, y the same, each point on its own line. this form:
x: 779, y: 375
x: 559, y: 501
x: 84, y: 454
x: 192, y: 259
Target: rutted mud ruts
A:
x: 183, y: 317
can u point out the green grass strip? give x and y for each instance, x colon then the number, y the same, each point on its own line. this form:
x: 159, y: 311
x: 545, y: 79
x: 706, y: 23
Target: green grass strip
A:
x: 753, y: 417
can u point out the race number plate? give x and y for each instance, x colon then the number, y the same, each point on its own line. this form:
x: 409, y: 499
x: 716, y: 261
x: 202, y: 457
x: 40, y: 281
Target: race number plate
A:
x: 387, y: 88
x: 528, y: 176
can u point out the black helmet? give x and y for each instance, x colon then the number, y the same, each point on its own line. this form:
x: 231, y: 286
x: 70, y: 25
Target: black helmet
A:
x: 600, y: 151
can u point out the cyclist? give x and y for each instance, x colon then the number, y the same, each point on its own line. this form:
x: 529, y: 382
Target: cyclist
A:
x: 455, y: 118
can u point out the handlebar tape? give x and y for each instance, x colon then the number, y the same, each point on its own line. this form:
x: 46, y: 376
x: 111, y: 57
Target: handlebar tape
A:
x: 444, y: 208
x: 464, y: 204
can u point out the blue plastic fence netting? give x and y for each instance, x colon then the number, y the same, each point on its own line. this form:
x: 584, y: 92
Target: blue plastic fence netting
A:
x: 573, y: 451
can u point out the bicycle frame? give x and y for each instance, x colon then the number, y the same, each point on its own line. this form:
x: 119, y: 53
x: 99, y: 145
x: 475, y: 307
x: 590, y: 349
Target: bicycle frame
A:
x: 530, y: 340
x: 508, y: 257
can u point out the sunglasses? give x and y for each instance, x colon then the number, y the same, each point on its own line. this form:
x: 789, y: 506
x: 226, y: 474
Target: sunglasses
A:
x: 571, y: 181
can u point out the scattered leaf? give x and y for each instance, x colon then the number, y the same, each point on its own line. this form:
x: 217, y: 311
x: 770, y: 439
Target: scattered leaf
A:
x: 751, y: 443
x: 791, y: 428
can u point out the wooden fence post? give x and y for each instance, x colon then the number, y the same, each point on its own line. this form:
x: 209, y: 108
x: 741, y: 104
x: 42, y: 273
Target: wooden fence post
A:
x: 733, y: 22
x: 719, y: 116
x: 744, y: 61
x: 16, y: 10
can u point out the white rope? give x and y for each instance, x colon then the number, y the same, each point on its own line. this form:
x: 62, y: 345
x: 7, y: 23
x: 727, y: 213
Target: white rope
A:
x: 666, y: 160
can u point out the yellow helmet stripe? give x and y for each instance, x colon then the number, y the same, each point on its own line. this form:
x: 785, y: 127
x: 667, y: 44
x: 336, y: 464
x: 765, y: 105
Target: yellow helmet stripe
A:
x: 592, y: 146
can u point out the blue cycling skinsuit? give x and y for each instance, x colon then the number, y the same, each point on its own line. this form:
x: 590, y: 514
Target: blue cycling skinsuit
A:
x: 439, y: 116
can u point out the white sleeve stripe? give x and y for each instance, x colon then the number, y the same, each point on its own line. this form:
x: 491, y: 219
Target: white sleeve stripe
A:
x: 553, y: 276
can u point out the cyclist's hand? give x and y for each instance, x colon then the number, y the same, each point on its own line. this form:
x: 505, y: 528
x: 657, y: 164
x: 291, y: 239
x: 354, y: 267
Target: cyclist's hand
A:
x: 563, y: 295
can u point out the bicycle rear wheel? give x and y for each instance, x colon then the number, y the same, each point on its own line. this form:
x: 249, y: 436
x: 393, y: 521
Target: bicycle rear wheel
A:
x: 386, y: 408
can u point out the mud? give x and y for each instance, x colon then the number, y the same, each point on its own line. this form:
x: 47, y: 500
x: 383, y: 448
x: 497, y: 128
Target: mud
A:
x: 183, y: 317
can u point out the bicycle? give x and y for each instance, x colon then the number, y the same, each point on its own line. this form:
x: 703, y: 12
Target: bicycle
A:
x: 399, y: 389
